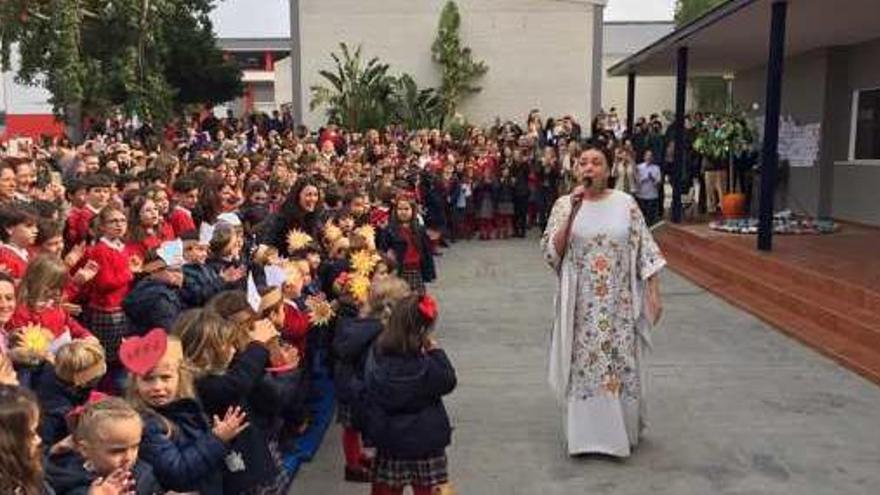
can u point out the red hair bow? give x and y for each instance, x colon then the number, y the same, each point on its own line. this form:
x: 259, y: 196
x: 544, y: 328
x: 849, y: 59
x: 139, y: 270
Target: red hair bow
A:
x: 428, y: 308
x: 73, y: 415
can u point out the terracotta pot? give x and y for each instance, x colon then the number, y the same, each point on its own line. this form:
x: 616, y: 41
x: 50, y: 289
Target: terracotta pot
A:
x: 733, y: 205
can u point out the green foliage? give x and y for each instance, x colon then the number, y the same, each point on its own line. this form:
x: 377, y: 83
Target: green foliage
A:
x: 359, y: 94
x: 362, y: 95
x: 416, y: 108
x: 688, y: 10
x: 459, y: 71
x: 100, y: 55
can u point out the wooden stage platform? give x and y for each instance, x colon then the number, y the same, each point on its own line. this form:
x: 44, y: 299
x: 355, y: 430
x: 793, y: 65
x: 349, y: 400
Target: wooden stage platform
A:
x: 823, y: 290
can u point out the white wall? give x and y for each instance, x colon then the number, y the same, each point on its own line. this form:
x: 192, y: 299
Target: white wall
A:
x: 283, y: 85
x: 538, y: 51
x: 653, y: 94
x: 18, y: 99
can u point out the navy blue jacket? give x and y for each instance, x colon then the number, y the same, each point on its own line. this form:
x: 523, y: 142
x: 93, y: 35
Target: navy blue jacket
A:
x: 191, y: 458
x: 200, y: 284
x: 233, y: 388
x: 56, y: 399
x: 67, y: 476
x: 405, y: 416
x: 152, y: 304
x: 351, y: 341
x: 391, y: 238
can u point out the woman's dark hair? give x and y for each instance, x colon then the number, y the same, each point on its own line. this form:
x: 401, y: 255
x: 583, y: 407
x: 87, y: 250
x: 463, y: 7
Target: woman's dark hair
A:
x: 405, y: 332
x: 20, y: 471
x: 136, y: 231
x: 292, y: 214
x: 209, y: 205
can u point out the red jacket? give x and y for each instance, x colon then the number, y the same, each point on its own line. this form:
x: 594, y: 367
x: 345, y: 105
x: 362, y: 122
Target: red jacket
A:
x: 181, y: 221
x: 110, y: 286
x: 296, y: 326
x: 52, y: 318
x: 13, y: 262
x: 76, y: 229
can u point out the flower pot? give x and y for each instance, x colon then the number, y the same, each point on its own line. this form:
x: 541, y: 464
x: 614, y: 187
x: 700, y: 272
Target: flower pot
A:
x: 733, y: 205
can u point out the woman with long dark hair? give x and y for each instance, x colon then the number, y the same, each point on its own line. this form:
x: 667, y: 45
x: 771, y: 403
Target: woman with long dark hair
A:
x: 302, y: 209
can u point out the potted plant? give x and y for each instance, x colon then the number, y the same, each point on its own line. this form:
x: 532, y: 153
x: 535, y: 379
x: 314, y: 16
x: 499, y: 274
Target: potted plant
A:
x: 721, y: 137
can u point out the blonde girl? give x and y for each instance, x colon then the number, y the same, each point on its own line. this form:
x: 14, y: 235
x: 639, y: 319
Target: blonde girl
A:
x: 186, y: 452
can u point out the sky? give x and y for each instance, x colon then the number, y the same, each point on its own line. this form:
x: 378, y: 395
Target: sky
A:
x: 241, y: 18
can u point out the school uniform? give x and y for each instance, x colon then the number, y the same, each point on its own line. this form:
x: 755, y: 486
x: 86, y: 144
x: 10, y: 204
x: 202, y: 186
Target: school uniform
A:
x: 52, y: 317
x: 14, y: 259
x: 152, y: 304
x: 77, y: 227
x: 200, y: 284
x: 412, y: 250
x: 181, y: 221
x: 405, y: 416
x: 105, y: 294
x: 351, y: 341
x: 249, y: 463
x: 57, y: 398
x: 191, y: 457
x: 67, y: 475
x: 296, y: 326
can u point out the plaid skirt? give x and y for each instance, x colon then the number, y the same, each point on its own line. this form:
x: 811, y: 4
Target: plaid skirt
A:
x: 413, y: 276
x: 281, y: 484
x: 110, y: 327
x: 398, y: 473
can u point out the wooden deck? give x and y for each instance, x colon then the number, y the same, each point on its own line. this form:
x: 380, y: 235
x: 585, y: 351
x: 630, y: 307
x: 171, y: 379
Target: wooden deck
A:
x: 823, y: 290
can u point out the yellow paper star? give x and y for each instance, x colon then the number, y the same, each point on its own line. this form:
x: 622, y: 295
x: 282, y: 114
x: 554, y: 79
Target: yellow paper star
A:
x: 297, y: 239
x: 36, y: 339
x: 367, y: 232
x: 320, y: 311
x: 359, y: 287
x: 363, y: 262
x: 332, y: 233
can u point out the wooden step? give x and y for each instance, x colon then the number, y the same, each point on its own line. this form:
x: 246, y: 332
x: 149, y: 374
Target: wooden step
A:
x: 816, y: 321
x: 832, y: 314
x: 855, y: 296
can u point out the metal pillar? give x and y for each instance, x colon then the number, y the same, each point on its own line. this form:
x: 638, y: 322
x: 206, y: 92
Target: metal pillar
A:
x: 769, y: 156
x: 680, y: 100
x: 296, y: 64
x: 631, y: 102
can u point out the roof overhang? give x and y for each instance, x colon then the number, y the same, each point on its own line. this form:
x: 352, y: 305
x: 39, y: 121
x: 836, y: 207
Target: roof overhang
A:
x: 735, y: 36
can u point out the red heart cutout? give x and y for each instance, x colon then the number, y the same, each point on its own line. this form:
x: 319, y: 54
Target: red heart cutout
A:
x: 139, y: 355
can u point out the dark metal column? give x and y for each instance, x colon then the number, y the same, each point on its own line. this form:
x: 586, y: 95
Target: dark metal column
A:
x: 631, y: 102
x: 680, y: 101
x: 296, y: 64
x: 769, y: 156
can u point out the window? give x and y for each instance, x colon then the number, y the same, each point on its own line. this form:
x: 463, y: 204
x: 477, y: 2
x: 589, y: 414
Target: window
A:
x: 865, y: 137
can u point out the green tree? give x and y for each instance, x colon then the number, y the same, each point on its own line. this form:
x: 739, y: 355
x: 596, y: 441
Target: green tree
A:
x: 688, y: 10
x: 414, y: 107
x: 710, y: 93
x: 459, y: 71
x: 359, y: 94
x: 96, y: 56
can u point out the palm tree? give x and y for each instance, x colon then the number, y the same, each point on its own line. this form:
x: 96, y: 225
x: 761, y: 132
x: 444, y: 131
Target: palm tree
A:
x: 359, y: 95
x: 416, y: 108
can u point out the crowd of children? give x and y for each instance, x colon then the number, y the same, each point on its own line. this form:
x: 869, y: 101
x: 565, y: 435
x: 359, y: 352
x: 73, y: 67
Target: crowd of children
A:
x: 177, y: 321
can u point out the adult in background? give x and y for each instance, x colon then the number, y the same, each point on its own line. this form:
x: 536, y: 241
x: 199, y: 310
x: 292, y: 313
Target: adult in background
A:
x: 608, y: 299
x: 649, y: 181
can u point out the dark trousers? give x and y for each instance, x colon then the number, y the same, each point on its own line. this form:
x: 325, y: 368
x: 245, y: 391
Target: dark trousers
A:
x: 650, y: 210
x: 520, y: 215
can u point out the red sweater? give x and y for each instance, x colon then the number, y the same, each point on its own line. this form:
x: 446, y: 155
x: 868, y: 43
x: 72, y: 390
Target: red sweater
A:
x: 76, y: 229
x: 53, y: 318
x: 106, y: 291
x: 296, y: 326
x: 140, y: 248
x: 166, y: 232
x: 181, y: 221
x: 12, y: 261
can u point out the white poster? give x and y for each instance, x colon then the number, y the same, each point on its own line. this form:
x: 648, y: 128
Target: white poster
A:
x: 799, y: 144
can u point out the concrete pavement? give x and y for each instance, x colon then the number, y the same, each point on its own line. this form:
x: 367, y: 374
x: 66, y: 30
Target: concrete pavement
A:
x: 734, y: 407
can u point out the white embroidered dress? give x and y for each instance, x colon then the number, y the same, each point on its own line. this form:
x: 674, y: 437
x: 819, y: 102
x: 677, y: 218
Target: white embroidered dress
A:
x: 599, y: 329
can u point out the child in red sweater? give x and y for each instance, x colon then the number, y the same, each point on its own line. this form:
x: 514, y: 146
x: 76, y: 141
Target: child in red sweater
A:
x: 40, y: 301
x: 105, y: 292
x: 78, y: 225
x: 186, y: 196
x: 296, y: 320
x: 18, y: 231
